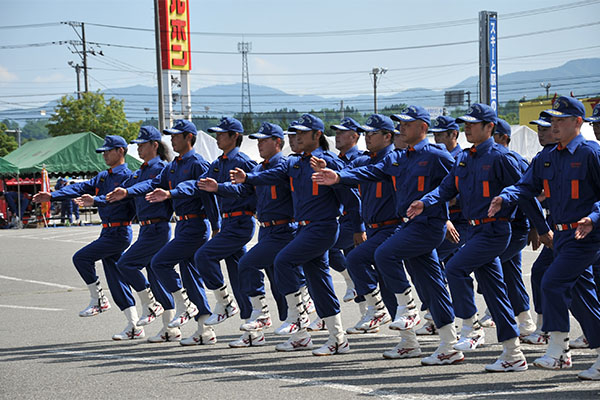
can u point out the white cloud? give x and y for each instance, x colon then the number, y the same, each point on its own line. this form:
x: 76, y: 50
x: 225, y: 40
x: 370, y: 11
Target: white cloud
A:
x: 55, y: 77
x: 6, y: 75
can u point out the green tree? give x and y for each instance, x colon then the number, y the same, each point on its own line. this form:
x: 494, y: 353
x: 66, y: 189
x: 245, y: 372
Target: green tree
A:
x: 7, y: 142
x: 35, y: 130
x: 92, y: 113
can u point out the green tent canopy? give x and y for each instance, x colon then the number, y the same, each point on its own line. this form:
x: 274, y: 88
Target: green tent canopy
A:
x: 64, y: 155
x: 7, y: 168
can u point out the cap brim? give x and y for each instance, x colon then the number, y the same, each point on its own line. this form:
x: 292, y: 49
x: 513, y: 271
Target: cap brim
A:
x: 468, y: 118
x: 339, y: 128
x: 259, y: 136
x: 367, y: 128
x: 540, y: 122
x: 172, y: 131
x: 289, y: 132
x: 103, y: 149
x: 593, y: 119
x: 554, y: 113
x: 301, y: 128
x: 138, y: 141
x: 402, y: 117
x: 436, y: 130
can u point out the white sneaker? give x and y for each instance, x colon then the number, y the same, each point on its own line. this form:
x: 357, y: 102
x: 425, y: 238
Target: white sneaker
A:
x: 373, y: 319
x: 399, y: 351
x: 222, y: 312
x: 359, y: 327
x: 310, y: 306
x: 166, y: 335
x: 487, y: 321
x: 296, y: 342
x: 470, y: 339
x: 405, y: 319
x: 443, y: 358
x: 592, y: 373
x: 249, y: 339
x: 130, y: 333
x: 317, y: 325
x: 354, y: 331
x: 154, y: 310
x: 548, y: 362
x: 96, y: 307
x: 536, y: 338
x: 428, y: 328
x: 332, y: 347
x: 202, y: 336
x: 502, y: 365
x: 579, y: 343
x: 349, y: 295
x: 184, y: 317
x: 261, y: 322
x: 291, y: 326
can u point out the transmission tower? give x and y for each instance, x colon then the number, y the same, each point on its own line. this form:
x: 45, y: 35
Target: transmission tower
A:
x: 245, y: 48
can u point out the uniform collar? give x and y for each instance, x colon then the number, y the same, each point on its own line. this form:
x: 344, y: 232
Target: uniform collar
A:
x: 118, y: 168
x: 382, y: 153
x: 573, y: 144
x: 186, y: 155
x: 232, y: 154
x: 419, y: 146
x: 485, y: 146
x: 273, y: 160
x: 352, y: 151
x: 153, y: 161
x: 456, y: 150
x: 318, y: 152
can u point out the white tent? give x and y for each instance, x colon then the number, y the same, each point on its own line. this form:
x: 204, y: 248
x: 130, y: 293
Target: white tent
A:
x: 523, y: 140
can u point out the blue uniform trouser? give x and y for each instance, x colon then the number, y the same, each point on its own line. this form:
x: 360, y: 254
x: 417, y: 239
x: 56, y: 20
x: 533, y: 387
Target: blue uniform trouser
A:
x: 66, y: 209
x: 189, y: 235
x: 108, y: 248
x: 511, y: 269
x: 541, y: 264
x: 415, y: 243
x: 75, y: 210
x: 363, y: 271
x: 309, y: 249
x: 596, y: 272
x: 229, y: 244
x: 150, y: 240
x: 481, y: 255
x: 262, y: 256
x: 341, y: 248
x: 568, y: 284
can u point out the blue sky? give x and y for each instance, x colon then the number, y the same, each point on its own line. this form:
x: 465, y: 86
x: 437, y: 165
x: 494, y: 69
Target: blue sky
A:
x: 32, y: 76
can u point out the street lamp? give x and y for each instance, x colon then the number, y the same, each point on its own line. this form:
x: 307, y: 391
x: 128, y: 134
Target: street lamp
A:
x: 547, y: 87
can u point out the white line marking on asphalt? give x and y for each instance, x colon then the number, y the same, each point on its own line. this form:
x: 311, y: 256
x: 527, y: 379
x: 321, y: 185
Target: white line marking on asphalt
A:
x: 301, y: 381
x: 10, y: 278
x: 32, y: 308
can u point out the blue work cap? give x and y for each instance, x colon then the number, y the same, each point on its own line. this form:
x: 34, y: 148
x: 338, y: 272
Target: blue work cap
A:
x: 413, y: 113
x: 268, y: 130
x: 543, y: 120
x: 444, y: 123
x: 566, y: 107
x: 181, y: 125
x: 479, y: 112
x: 502, y: 127
x: 308, y: 122
x: 347, y: 124
x: 595, y: 114
x: 228, y: 124
x: 147, y: 133
x: 111, y: 142
x: 378, y: 122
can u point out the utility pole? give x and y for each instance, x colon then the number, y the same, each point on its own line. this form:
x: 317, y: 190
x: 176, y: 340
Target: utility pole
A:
x: 161, y: 102
x: 468, y: 93
x: 547, y: 87
x: 376, y: 72
x: 342, y: 108
x: 245, y: 48
x: 77, y: 71
x: 85, y: 68
x: 83, y: 53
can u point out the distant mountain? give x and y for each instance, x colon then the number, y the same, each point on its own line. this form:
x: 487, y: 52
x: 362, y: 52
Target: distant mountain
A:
x: 582, y: 77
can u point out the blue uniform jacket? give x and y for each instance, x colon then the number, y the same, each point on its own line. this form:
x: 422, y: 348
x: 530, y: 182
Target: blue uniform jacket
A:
x: 570, y: 178
x: 351, y: 202
x: 312, y: 202
x: 190, y: 166
x: 479, y: 174
x: 102, y: 184
x: 413, y: 172
x: 455, y: 213
x: 378, y: 198
x: 274, y: 202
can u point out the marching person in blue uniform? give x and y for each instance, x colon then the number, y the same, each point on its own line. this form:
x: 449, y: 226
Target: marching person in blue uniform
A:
x: 154, y: 233
x: 237, y: 226
x: 478, y: 174
x: 277, y: 228
x: 569, y: 174
x: 546, y: 256
x: 352, y: 229
x: 378, y: 212
x: 316, y: 209
x: 413, y: 171
x: 193, y: 212
x: 115, y: 236
x: 594, y: 120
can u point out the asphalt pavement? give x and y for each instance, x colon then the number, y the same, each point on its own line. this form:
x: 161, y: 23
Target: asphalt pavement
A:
x: 48, y: 352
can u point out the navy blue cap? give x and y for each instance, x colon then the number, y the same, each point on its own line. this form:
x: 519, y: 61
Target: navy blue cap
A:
x: 413, y: 113
x: 181, y: 126
x: 502, y: 127
x: 290, y: 131
x: 566, y: 107
x: 147, y: 133
x: 595, y: 114
x: 544, y: 120
x: 268, y: 130
x: 308, y: 122
x: 477, y: 113
x: 228, y: 124
x: 111, y: 142
x: 347, y: 124
x: 377, y: 122
x: 444, y: 123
